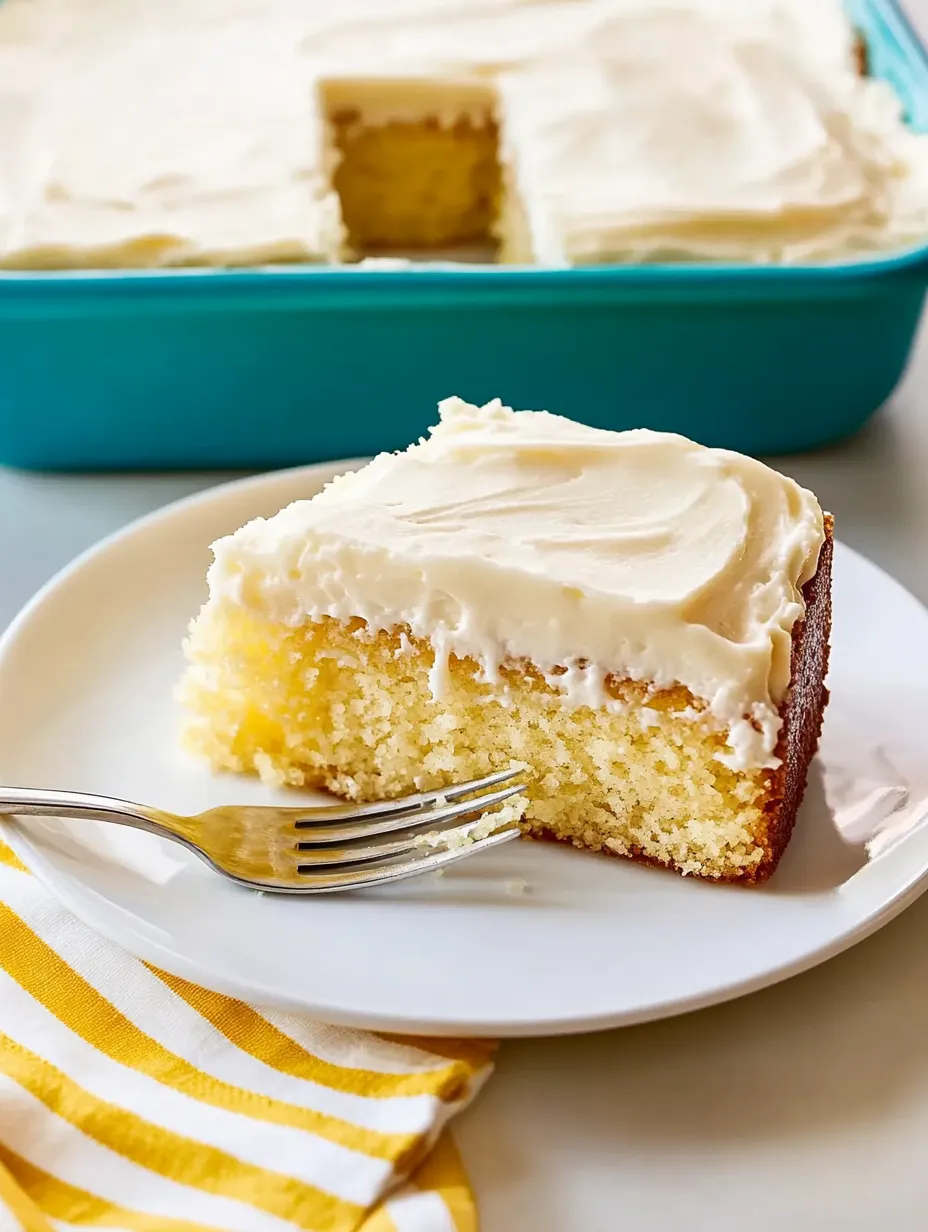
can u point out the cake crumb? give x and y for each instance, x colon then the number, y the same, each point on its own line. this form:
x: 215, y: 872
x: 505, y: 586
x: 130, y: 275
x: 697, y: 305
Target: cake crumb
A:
x: 473, y: 831
x: 268, y: 771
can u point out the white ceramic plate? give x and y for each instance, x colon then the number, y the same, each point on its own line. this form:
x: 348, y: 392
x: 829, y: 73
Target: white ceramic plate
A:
x: 86, y: 674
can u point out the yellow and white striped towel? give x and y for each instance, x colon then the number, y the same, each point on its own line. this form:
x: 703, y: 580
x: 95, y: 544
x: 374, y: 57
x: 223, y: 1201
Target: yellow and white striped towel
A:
x: 134, y: 1101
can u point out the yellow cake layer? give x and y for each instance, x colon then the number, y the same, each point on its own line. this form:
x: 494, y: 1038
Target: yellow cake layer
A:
x: 332, y: 705
x: 405, y: 185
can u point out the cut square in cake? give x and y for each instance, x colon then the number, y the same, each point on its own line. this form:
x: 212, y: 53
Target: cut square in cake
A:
x: 640, y: 621
x: 415, y: 164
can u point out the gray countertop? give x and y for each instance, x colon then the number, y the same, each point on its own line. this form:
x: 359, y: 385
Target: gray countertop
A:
x: 804, y: 1106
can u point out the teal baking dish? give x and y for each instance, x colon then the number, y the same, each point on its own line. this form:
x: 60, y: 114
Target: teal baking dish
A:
x: 272, y: 367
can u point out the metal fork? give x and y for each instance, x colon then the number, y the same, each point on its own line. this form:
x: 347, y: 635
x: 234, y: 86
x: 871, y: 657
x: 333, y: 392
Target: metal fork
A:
x: 308, y: 849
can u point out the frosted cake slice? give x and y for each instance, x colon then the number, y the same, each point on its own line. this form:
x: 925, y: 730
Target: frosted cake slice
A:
x: 640, y: 620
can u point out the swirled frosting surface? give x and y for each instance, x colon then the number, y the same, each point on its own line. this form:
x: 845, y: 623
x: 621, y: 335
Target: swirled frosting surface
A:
x: 521, y: 535
x: 137, y: 133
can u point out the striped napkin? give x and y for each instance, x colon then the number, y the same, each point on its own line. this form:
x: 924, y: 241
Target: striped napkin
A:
x: 134, y: 1101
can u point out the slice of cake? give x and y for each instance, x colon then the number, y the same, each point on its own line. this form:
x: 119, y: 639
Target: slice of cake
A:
x: 641, y: 621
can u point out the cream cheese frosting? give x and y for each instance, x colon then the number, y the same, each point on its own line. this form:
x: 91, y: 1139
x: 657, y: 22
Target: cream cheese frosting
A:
x: 517, y: 535
x: 632, y: 130
x: 730, y: 149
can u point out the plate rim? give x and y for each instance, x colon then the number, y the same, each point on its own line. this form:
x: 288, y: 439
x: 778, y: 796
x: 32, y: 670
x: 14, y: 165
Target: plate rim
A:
x: 180, y: 966
x: 910, y: 887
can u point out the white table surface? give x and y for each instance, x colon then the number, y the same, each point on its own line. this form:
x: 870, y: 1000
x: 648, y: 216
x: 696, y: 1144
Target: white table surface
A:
x: 804, y: 1107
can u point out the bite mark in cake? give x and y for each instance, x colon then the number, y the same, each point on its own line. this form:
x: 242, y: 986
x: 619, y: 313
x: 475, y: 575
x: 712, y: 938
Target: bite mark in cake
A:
x: 641, y: 620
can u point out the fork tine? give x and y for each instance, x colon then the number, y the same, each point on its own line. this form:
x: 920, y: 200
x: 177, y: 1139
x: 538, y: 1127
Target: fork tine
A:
x: 428, y: 818
x: 314, y: 882
x: 318, y: 856
x: 404, y: 804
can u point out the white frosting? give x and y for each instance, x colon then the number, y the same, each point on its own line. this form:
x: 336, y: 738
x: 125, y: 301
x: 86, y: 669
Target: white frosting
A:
x: 521, y: 535
x: 136, y: 133
x: 717, y: 148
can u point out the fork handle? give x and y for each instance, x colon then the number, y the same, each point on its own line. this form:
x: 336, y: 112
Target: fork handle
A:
x: 39, y: 802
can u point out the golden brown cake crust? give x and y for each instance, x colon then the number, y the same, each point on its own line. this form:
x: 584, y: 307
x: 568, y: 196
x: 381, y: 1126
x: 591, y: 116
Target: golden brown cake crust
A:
x: 802, y: 711
x: 861, y: 54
